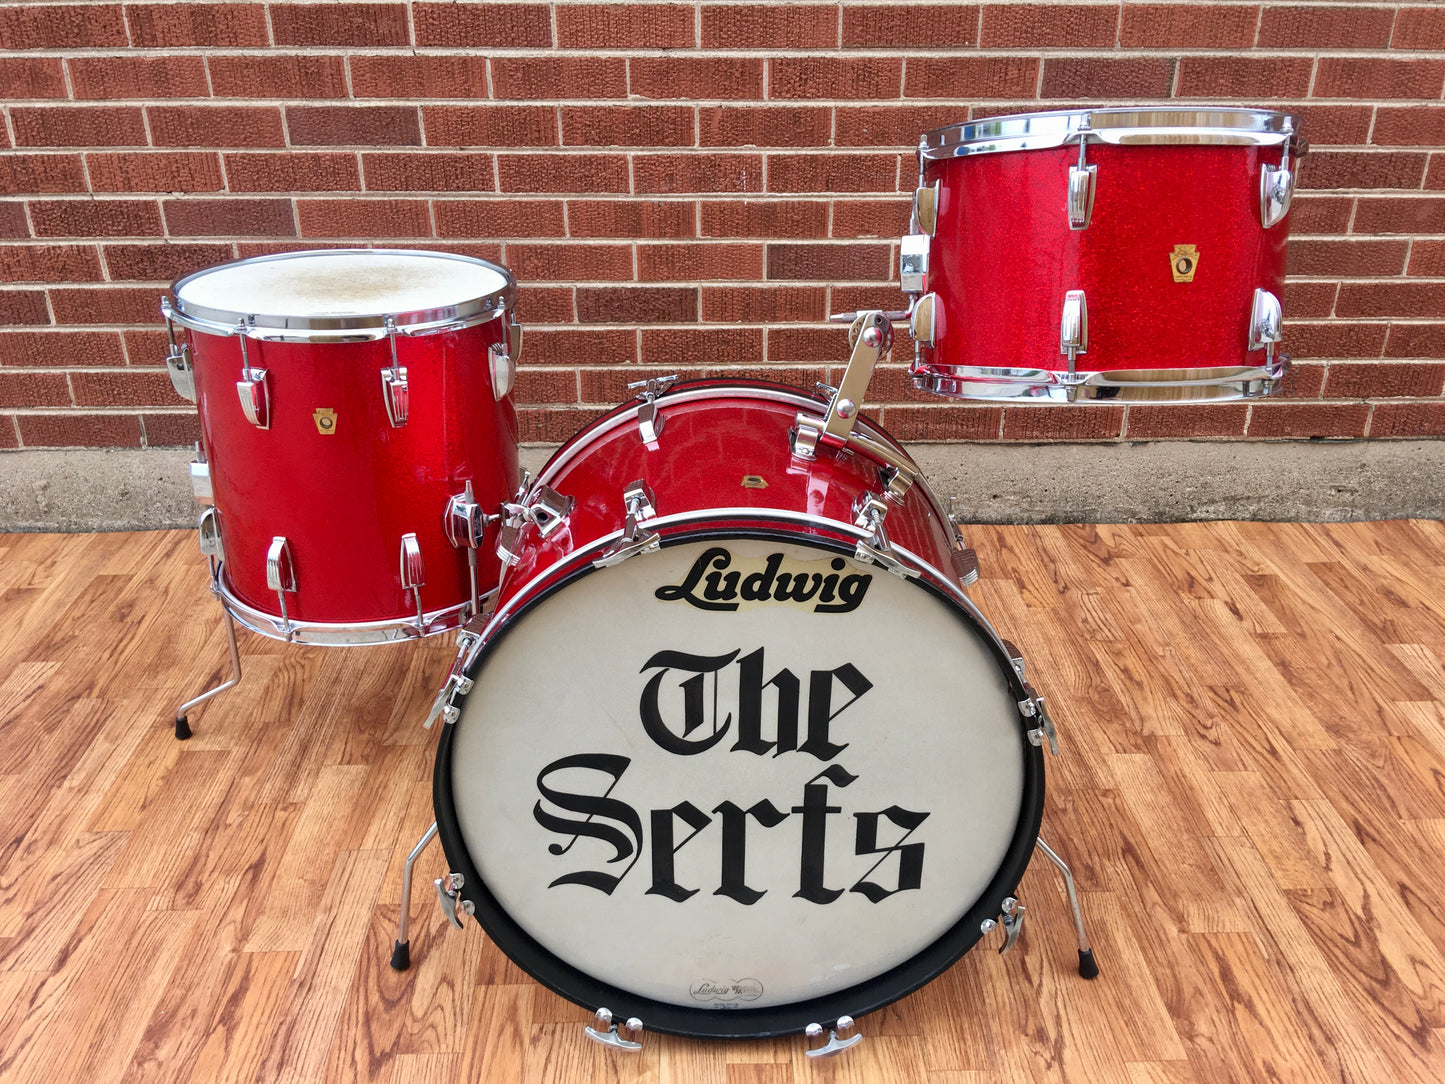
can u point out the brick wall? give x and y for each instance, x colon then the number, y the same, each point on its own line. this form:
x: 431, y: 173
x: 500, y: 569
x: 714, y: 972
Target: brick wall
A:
x: 677, y: 186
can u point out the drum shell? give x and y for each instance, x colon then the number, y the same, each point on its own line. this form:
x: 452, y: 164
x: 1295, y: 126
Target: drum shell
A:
x: 1003, y: 256
x: 343, y: 498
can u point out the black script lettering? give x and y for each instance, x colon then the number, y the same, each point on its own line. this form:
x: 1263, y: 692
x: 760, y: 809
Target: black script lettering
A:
x: 758, y: 586
x: 750, y: 707
x: 664, y: 851
x: 793, y: 587
x: 910, y: 856
x: 714, y: 557
x: 820, y: 701
x: 735, y: 844
x: 830, y: 582
x: 851, y: 590
x: 591, y: 806
x: 693, y: 715
x: 815, y: 810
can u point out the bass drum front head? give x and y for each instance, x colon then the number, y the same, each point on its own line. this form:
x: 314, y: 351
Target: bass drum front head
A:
x: 738, y: 785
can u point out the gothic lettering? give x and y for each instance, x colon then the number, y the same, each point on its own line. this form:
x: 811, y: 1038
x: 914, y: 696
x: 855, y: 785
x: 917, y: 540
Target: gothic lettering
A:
x: 592, y: 807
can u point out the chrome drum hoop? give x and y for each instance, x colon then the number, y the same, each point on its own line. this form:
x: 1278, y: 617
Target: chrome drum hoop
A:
x: 1201, y: 385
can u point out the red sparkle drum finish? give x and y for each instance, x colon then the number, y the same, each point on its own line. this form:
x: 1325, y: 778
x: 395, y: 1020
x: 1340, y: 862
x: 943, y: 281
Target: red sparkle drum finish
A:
x: 1172, y: 259
x: 331, y: 472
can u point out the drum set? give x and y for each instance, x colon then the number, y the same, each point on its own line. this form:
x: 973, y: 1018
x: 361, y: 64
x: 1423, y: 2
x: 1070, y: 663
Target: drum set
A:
x: 709, y: 652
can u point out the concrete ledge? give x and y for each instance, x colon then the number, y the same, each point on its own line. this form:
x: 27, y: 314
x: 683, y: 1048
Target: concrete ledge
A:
x: 125, y: 489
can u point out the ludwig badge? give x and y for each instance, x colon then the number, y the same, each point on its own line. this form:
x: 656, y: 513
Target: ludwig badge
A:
x: 325, y: 419
x: 1183, y: 262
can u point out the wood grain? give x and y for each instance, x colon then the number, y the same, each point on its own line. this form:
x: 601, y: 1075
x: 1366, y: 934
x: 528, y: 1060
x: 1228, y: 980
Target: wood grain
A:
x: 1251, y: 792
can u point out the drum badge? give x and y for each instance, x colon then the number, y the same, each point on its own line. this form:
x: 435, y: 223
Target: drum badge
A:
x: 754, y: 481
x: 1183, y: 262
x: 325, y: 419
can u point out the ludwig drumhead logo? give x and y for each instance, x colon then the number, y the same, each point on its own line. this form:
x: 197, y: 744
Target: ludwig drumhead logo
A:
x: 737, y: 990
x: 720, y: 581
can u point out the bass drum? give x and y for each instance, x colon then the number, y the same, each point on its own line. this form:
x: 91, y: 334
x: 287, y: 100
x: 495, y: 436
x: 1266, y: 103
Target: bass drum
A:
x: 729, y: 762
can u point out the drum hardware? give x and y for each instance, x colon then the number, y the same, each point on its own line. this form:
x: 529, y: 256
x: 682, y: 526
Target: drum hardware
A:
x: 607, y: 1032
x: 1033, y: 707
x: 281, y: 577
x: 839, y: 1038
x: 639, y: 500
x: 913, y: 261
x: 457, y: 682
x: 924, y: 218
x: 1276, y: 186
x: 1264, y: 324
x: 1012, y: 915
x: 254, y: 387
x: 1083, y: 179
x: 178, y: 359
x: 870, y: 335
x: 1088, y: 968
x: 923, y: 320
x: 394, y: 390
x: 965, y: 564
x: 541, y: 506
x: 201, y: 478
x: 503, y: 358
x: 449, y: 896
x: 413, y: 575
x: 210, y: 539
x: 649, y: 421
x: 466, y: 524
x: 896, y: 481
x: 871, y: 511
x: 1074, y: 328
x: 401, y: 949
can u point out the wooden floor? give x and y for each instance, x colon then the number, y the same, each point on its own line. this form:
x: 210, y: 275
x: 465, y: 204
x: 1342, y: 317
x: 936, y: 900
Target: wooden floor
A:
x: 1252, y: 793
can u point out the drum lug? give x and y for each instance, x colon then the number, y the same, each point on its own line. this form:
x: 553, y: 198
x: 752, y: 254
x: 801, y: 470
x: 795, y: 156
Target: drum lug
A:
x: 395, y: 393
x: 649, y: 421
x: 449, y: 896
x: 465, y: 523
x: 834, y: 1040
x: 965, y: 563
x: 201, y: 478
x: 178, y: 359
x: 924, y: 219
x: 1082, y: 181
x: 413, y: 574
x: 281, y: 576
x: 607, y: 1032
x: 913, y: 261
x: 1033, y: 707
x: 635, y: 539
x: 1264, y: 324
x: 896, y: 481
x: 871, y: 511
x: 503, y: 358
x: 254, y: 389
x: 210, y: 532
x: 1013, y: 922
x: 923, y: 320
x: 1276, y: 190
x: 1074, y: 327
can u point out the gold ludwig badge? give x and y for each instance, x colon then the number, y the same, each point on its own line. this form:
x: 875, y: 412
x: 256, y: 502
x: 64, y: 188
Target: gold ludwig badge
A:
x: 325, y: 419
x: 1183, y: 262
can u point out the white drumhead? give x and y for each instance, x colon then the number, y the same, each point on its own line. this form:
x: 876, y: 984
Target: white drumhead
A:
x: 560, y: 784
x: 341, y: 284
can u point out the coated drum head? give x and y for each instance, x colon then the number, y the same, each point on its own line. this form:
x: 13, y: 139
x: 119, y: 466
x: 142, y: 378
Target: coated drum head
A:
x: 350, y: 290
x: 738, y: 785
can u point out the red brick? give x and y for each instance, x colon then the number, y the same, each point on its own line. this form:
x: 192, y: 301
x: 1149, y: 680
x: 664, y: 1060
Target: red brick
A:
x: 1408, y: 420
x: 414, y: 76
x: 531, y: 77
x: 488, y: 26
x: 112, y: 77
x: 1326, y: 26
x: 499, y: 218
x: 691, y: 78
x: 37, y: 77
x: 1309, y: 299
x: 662, y: 173
x: 171, y: 430
x: 490, y: 125
x: 23, y: 307
x: 1076, y: 26
x: 1411, y: 126
x: 952, y: 422
x: 112, y: 305
x: 152, y: 171
x: 847, y: 261
x: 833, y: 173
x: 79, y: 126
x: 1244, y: 76
x: 1435, y: 175
x: 964, y: 77
x: 1199, y: 420
x: 1320, y: 214
x: 49, y: 263
x: 856, y: 298
x: 546, y: 386
x: 808, y: 344
x: 1399, y: 215
x: 364, y: 218
x: 1078, y: 77
x: 216, y: 126
x: 285, y: 77
x: 293, y: 171
x: 1355, y: 258
x: 699, y: 262
x: 26, y: 174
x: 165, y: 25
x: 95, y: 218
x: 9, y: 436
x: 1078, y: 422
x: 34, y: 390
x: 1384, y: 380
x: 362, y: 25
x: 61, y: 349
x: 1427, y: 259
x: 145, y: 346
x: 1418, y: 299
x: 835, y: 77
x: 580, y: 347
x: 627, y: 126
x: 889, y: 126
x: 1419, y: 28
x: 631, y: 218
x: 765, y: 126
x: 435, y: 172
x: 1363, y: 78
x: 625, y: 26
x: 341, y: 125
x: 1416, y: 341
x: 871, y: 218
x: 1188, y: 26
x: 763, y: 304
x: 701, y: 346
x: 229, y: 217
x: 1337, y: 125
x: 570, y: 263
x: 124, y: 389
x: 79, y: 430
x: 1363, y: 169
x: 62, y: 26
x: 12, y: 219
x: 161, y: 263
x: 765, y: 218
x: 551, y: 426
x: 543, y: 173
x: 904, y: 26
x: 1308, y: 420
x: 636, y: 304
x: 769, y: 26
x: 1334, y: 339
